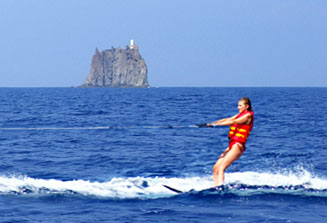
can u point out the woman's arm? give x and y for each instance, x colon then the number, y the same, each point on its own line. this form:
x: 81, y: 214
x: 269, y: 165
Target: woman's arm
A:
x: 232, y: 120
x: 218, y: 122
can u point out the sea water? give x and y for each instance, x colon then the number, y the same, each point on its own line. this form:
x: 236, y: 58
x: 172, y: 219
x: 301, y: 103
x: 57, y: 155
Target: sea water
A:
x: 103, y: 155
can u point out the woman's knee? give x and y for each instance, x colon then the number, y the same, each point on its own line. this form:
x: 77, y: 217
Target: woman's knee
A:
x: 218, y: 168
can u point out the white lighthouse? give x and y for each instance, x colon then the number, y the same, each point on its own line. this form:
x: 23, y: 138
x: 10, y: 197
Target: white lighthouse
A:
x: 131, y: 44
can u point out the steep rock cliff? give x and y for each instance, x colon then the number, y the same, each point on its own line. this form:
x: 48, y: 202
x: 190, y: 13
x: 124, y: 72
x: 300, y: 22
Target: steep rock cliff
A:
x: 117, y: 68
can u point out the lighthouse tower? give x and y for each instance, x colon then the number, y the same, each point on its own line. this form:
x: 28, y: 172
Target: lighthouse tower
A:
x: 131, y: 44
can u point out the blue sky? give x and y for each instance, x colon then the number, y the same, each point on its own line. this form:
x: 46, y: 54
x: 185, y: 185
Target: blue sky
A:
x: 185, y: 43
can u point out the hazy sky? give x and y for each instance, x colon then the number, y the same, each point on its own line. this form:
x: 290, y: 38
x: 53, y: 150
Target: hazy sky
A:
x: 50, y: 43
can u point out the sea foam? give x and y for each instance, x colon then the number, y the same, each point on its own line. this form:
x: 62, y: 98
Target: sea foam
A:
x: 240, y: 183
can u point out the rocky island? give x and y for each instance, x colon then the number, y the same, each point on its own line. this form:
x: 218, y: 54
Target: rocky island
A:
x: 118, y: 68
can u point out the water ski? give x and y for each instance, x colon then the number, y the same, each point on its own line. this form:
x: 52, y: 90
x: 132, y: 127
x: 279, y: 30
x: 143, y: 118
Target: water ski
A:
x: 212, y: 189
x: 173, y: 189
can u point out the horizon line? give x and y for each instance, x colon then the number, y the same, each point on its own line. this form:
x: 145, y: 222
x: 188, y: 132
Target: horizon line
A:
x: 275, y: 86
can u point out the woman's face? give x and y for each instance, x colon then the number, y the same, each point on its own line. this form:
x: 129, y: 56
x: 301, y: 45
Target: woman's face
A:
x: 242, y: 106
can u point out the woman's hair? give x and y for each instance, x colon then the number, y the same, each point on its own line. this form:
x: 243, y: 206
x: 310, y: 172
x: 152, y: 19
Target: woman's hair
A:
x: 248, y: 102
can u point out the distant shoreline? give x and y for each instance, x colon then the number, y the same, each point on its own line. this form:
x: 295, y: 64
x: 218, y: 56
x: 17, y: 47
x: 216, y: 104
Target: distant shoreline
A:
x: 78, y: 87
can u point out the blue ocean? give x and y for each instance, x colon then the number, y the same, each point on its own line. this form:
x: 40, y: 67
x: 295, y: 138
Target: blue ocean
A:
x: 103, y: 155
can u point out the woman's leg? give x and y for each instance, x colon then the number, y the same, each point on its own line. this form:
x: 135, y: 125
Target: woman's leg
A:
x: 216, y: 166
x: 224, y: 161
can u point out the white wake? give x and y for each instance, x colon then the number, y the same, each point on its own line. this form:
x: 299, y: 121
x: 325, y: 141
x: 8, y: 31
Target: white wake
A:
x: 151, y: 188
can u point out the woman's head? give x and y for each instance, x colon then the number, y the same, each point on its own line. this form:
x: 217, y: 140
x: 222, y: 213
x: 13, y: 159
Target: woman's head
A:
x: 244, y: 104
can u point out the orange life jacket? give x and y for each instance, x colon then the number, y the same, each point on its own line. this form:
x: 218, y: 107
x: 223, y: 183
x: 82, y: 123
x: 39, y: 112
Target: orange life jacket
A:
x: 241, y: 132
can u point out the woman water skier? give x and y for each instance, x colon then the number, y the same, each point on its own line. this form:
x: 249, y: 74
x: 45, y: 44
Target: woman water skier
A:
x: 240, y: 128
